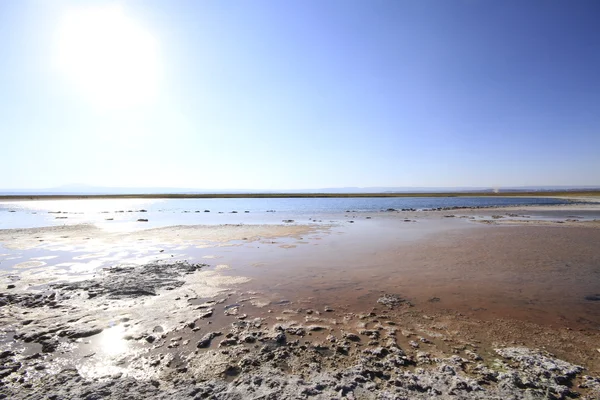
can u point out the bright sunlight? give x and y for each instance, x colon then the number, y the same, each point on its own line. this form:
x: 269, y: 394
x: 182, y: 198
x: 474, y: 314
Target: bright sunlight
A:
x: 110, y: 59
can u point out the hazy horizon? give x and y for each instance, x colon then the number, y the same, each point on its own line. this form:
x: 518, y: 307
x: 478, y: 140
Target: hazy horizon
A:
x: 275, y: 96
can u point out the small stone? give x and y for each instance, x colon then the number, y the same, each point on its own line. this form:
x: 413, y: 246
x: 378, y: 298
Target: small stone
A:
x: 206, y: 339
x: 351, y: 336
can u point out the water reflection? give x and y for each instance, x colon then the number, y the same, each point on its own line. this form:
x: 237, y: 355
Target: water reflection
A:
x: 112, y: 341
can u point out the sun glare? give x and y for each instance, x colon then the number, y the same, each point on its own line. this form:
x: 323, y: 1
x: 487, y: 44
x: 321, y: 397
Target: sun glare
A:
x: 109, y: 58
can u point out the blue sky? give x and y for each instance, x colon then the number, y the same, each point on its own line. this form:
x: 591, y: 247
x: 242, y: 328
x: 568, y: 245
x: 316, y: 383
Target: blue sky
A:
x: 299, y: 94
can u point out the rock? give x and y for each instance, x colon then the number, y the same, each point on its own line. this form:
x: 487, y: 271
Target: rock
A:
x: 315, y: 328
x: 81, y: 332
x: 228, y: 342
x: 133, y: 281
x: 206, y: 339
x: 472, y: 355
x: 49, y: 346
x: 280, y: 338
x: 390, y: 300
x: 6, y: 354
x: 207, y: 313
x: 298, y: 331
x: 142, y: 220
x: 248, y: 339
x: 11, y: 286
x: 593, y: 297
x: 379, y: 352
x: 351, y: 337
x: 370, y: 333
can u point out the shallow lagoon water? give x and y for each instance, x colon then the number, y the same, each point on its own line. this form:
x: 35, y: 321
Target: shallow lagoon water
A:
x: 123, y: 214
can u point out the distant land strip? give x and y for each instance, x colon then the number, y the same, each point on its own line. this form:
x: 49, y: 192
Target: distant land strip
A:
x: 575, y: 194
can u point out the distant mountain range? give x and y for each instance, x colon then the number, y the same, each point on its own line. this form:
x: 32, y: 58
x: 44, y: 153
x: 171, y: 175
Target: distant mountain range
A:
x: 91, y: 190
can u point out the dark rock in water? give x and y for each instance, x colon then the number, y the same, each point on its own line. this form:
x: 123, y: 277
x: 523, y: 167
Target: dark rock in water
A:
x: 10, y: 286
x: 234, y: 212
x: 49, y: 347
x: 142, y: 210
x: 6, y: 354
x: 391, y: 209
x: 142, y: 220
x: 133, y: 292
x: 391, y: 300
x: 288, y: 221
x: 207, y: 339
x: 206, y: 210
x: 593, y: 297
x: 434, y: 300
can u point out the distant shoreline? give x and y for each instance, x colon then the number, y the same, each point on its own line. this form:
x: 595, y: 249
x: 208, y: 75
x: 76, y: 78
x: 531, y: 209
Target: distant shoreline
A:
x: 563, y: 194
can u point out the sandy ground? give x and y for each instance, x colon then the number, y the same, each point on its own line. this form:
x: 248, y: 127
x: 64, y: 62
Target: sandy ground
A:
x: 510, y: 292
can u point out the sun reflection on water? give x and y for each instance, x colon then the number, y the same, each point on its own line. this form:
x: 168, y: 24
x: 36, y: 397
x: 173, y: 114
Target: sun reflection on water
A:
x: 112, y: 340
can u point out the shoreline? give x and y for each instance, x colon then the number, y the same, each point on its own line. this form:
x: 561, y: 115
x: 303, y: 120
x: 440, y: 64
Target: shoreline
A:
x: 561, y: 194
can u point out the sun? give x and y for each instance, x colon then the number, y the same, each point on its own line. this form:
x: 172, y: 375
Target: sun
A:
x: 108, y: 57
